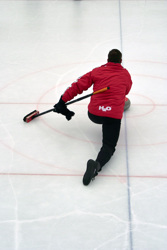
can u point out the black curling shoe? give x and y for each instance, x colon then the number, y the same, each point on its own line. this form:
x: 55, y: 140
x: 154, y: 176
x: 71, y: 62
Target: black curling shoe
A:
x: 92, y: 170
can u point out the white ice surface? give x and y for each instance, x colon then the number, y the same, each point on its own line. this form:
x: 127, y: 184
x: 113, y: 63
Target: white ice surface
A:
x: 44, y: 47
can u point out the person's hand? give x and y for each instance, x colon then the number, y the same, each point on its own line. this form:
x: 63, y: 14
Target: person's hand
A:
x: 61, y: 108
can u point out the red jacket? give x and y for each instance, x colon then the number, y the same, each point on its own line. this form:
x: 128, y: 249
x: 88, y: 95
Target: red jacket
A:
x: 111, y: 102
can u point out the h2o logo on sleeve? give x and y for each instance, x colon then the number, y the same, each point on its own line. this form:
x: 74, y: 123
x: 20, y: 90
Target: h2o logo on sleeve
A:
x: 105, y: 109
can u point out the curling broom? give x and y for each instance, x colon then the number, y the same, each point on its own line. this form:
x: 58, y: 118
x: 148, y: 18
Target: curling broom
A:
x: 36, y: 113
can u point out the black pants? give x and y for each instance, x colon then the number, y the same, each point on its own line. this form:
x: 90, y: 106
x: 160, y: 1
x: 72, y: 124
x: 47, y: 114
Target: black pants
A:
x: 110, y: 129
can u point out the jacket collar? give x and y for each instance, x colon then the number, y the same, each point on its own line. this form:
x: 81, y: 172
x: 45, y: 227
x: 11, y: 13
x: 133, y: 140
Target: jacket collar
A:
x: 114, y: 64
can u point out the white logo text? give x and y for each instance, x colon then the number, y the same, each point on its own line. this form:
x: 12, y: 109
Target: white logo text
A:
x: 105, y: 109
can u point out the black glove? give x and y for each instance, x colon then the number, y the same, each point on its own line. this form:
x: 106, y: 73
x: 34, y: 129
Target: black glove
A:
x: 61, y: 108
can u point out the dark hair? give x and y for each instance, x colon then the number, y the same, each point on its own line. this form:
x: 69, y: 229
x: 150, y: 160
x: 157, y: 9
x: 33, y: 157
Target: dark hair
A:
x: 115, y: 56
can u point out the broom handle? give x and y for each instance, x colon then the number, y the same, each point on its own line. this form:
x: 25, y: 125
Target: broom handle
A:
x: 79, y: 99
x: 94, y: 93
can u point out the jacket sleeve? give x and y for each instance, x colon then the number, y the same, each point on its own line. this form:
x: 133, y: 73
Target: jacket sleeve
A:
x: 77, y: 87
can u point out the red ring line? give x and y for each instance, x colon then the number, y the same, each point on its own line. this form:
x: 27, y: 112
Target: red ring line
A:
x: 99, y: 175
x: 38, y: 103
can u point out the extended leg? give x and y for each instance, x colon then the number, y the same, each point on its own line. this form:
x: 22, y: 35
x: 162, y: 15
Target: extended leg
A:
x: 110, y: 129
x: 111, y: 132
